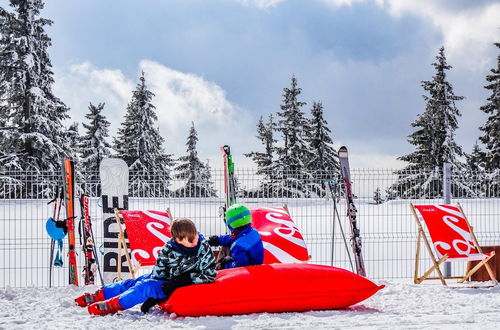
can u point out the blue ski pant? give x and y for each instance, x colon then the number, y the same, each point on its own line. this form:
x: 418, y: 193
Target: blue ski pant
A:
x: 135, y: 291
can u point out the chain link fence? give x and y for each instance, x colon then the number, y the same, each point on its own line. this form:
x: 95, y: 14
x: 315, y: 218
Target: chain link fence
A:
x: 388, y: 230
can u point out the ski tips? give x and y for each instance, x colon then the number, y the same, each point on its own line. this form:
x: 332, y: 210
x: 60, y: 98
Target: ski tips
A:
x: 226, y: 149
x: 343, y: 151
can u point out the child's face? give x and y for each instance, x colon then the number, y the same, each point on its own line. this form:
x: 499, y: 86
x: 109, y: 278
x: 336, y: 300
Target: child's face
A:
x: 185, y: 241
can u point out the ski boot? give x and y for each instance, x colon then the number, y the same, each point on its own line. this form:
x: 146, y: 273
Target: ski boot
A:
x: 90, y: 298
x: 109, y: 306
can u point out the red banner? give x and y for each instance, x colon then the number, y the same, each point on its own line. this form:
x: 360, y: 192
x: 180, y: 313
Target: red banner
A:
x: 283, y: 242
x: 147, y: 231
x: 449, y: 231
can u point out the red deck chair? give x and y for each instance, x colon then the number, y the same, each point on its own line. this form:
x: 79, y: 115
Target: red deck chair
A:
x: 452, y: 240
x: 282, y: 240
x: 147, y: 233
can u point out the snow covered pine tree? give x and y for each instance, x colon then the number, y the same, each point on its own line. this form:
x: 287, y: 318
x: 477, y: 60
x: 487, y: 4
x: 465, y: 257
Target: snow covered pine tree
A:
x: 294, y: 154
x: 32, y: 133
x: 491, y: 129
x: 434, y: 140
x: 93, y: 146
x: 139, y: 144
x: 265, y: 161
x: 193, y: 171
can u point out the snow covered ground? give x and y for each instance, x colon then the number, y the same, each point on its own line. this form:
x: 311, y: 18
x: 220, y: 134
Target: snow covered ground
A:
x: 389, y: 246
x: 399, y: 305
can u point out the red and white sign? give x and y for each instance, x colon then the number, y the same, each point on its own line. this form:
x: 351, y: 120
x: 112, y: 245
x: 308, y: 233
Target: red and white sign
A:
x: 449, y: 232
x: 147, y: 232
x: 283, y: 242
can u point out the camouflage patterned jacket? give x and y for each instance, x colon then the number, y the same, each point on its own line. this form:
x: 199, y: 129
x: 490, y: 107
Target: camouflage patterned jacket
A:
x: 174, y: 260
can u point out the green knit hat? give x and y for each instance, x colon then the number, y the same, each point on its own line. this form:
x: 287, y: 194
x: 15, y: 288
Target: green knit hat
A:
x: 238, y: 215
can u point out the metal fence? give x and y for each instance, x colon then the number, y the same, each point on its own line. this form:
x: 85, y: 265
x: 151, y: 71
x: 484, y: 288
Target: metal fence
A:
x: 387, y: 228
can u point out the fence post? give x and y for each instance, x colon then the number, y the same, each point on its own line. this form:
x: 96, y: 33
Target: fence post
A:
x: 447, y: 200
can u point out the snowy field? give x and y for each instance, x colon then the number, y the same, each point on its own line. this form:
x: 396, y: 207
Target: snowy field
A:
x: 389, y: 235
x: 400, y: 305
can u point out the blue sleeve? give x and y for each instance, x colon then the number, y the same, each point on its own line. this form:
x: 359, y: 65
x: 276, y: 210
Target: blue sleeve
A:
x: 225, y: 240
x: 240, y: 258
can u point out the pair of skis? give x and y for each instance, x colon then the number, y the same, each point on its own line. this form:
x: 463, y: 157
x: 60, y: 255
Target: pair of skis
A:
x: 229, y: 181
x: 229, y: 191
x: 68, y: 227
x: 68, y: 170
x: 56, y: 234
x: 87, y: 242
x: 351, y: 209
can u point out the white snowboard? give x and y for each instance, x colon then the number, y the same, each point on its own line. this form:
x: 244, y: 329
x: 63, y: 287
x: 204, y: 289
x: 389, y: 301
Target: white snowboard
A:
x: 114, y: 176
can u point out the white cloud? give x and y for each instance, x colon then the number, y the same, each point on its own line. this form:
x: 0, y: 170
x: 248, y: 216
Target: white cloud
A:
x: 184, y: 97
x: 468, y: 33
x: 469, y: 29
x: 79, y: 84
x: 180, y: 98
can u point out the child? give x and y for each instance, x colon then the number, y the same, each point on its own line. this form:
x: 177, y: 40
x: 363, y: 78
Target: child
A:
x: 245, y: 243
x: 185, y: 259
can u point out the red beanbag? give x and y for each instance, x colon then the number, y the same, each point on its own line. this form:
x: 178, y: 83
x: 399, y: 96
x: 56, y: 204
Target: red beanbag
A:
x: 272, y: 288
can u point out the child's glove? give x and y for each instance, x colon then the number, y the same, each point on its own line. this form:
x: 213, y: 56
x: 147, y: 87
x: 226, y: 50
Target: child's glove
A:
x: 150, y: 302
x: 168, y: 288
x: 222, y: 262
x: 182, y: 280
x: 213, y: 241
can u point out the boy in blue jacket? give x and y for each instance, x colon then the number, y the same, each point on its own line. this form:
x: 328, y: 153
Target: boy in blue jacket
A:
x: 245, y: 243
x: 184, y: 260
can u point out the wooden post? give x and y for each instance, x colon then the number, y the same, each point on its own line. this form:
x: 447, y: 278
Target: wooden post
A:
x: 478, y: 247
x: 417, y: 258
x: 122, y: 243
x: 429, y: 249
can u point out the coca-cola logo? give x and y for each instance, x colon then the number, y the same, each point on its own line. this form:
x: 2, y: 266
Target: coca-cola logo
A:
x: 462, y: 242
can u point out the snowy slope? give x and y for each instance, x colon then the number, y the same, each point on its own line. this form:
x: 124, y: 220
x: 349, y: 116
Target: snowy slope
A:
x: 399, y: 305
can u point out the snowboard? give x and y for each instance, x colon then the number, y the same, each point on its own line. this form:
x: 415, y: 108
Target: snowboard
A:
x: 114, y: 175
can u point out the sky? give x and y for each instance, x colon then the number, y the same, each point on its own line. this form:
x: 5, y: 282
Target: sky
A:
x: 224, y: 63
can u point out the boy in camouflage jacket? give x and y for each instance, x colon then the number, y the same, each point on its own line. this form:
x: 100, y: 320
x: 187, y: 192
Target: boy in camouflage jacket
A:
x: 184, y: 260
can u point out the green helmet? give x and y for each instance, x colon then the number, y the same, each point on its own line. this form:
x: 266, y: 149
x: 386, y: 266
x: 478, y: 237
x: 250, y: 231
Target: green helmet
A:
x: 238, y: 215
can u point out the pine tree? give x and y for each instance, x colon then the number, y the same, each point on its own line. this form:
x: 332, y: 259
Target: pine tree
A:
x: 323, y: 163
x: 491, y: 129
x: 475, y: 170
x: 265, y: 161
x: 32, y: 135
x: 377, y: 196
x: 475, y: 160
x: 139, y: 144
x: 293, y: 174
x: 93, y: 146
x: 196, y: 174
x: 434, y: 139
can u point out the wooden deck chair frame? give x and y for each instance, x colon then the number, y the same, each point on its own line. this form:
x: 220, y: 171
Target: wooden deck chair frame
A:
x: 437, y: 262
x: 123, y: 248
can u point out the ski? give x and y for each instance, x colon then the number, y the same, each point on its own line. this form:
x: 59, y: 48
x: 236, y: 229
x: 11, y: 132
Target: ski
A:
x: 56, y: 233
x: 88, y: 243
x: 229, y: 183
x: 229, y: 192
x: 351, y: 211
x: 69, y: 189
x: 114, y: 176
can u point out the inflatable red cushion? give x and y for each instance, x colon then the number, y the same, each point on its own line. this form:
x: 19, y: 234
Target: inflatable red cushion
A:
x: 272, y: 288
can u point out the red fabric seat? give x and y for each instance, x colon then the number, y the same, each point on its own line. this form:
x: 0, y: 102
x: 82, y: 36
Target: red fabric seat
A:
x: 272, y: 288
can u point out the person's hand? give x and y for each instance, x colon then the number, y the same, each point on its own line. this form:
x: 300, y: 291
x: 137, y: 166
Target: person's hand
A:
x: 222, y: 262
x: 146, y: 306
x: 213, y: 240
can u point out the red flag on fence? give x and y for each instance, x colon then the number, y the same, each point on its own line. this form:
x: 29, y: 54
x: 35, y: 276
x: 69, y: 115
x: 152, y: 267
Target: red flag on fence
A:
x: 147, y: 231
x: 283, y: 242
